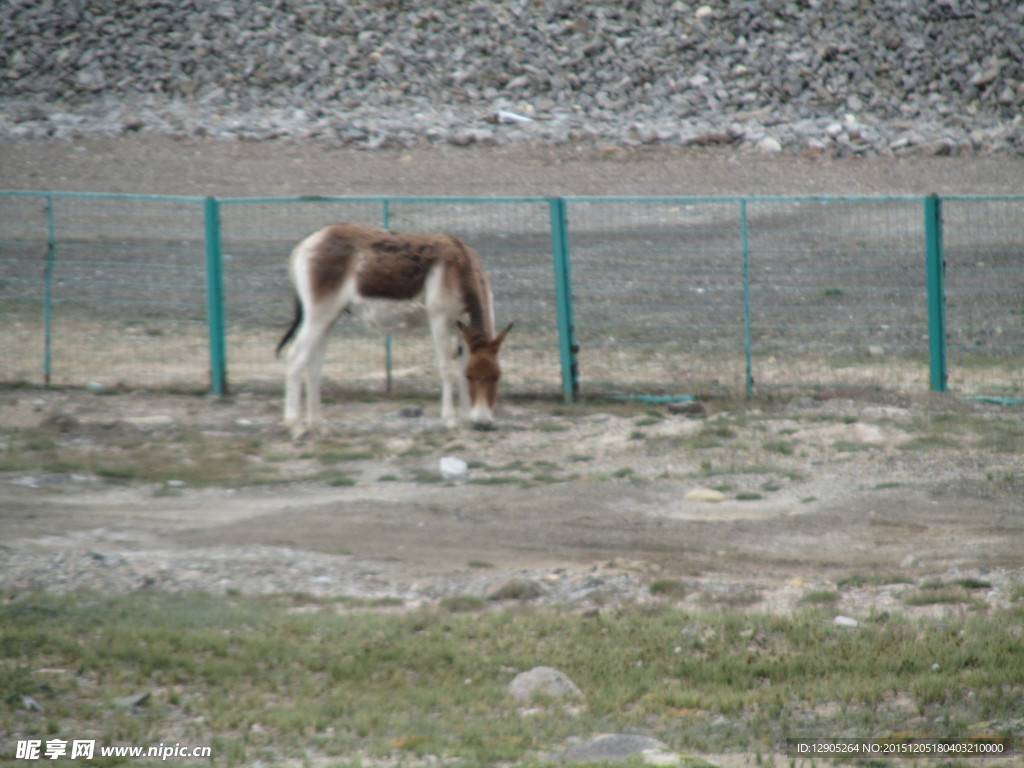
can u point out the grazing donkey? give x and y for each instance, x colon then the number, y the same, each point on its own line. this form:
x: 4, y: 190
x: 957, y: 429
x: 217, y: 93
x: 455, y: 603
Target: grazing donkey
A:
x: 383, y: 276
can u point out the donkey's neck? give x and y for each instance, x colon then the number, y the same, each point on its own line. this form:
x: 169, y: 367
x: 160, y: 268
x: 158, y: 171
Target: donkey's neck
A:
x: 476, y: 297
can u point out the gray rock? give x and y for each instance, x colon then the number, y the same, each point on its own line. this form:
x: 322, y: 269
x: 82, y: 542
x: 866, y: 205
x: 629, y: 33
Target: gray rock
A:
x: 610, y: 746
x: 543, y: 682
x: 31, y: 704
x: 622, y: 73
x: 132, y: 703
x: 408, y: 412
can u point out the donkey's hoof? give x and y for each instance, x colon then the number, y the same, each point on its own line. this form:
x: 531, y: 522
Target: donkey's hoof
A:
x: 307, y: 432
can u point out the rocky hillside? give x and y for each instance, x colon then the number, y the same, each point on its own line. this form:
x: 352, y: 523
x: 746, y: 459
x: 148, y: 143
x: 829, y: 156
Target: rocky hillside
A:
x: 803, y: 76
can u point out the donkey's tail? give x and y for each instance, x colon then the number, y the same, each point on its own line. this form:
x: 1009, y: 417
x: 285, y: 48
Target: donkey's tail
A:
x: 291, y: 331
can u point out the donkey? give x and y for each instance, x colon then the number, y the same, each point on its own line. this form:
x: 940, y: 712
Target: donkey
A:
x: 383, y: 277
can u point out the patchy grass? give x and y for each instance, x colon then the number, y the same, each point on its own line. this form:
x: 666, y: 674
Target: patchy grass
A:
x: 192, y: 457
x: 872, y: 580
x: 821, y: 597
x: 939, y: 592
x: 668, y: 588
x: 943, y: 596
x: 783, y: 447
x: 292, y: 679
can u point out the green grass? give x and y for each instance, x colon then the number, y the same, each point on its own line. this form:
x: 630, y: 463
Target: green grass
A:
x: 339, y: 455
x: 784, y: 447
x: 260, y: 680
x: 938, y: 592
x: 670, y: 588
x: 821, y: 597
x: 940, y: 597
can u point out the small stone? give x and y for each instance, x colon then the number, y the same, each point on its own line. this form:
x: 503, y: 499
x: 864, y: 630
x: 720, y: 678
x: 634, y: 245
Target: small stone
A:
x: 612, y: 746
x: 453, y: 468
x: 687, y: 408
x: 705, y: 494
x: 133, y: 702
x: 543, y: 682
x: 106, y: 558
x: 845, y: 621
x: 31, y: 704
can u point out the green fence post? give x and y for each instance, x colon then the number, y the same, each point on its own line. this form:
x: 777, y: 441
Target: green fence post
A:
x: 746, y: 299
x: 51, y: 256
x: 563, y: 299
x: 215, y: 299
x: 935, y: 268
x: 385, y: 217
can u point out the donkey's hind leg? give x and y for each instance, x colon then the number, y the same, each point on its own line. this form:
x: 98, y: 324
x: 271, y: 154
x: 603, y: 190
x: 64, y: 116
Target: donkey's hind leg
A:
x: 303, y: 371
x: 314, y: 375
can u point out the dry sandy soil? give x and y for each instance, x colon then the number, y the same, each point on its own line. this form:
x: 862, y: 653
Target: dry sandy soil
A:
x: 159, y: 165
x: 814, y: 491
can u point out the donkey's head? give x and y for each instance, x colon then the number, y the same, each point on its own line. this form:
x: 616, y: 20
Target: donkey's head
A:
x: 482, y: 373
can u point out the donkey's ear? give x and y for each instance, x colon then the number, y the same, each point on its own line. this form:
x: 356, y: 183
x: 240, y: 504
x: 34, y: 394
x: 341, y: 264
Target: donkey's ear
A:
x: 472, y: 340
x: 496, y: 343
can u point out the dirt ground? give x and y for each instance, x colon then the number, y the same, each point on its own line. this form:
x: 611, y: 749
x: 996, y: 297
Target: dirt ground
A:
x: 803, y: 495
x: 160, y: 165
x: 811, y: 491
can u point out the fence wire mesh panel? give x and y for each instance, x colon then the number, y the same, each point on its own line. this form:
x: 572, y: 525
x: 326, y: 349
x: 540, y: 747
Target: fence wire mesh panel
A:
x: 837, y: 293
x: 23, y: 260
x: 122, y: 293
x: 984, y: 250
x: 657, y: 295
x: 511, y: 236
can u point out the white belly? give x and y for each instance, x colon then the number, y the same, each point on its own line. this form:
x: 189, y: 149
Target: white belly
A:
x: 388, y: 315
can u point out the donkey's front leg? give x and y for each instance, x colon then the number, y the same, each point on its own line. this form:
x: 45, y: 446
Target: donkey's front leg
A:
x: 441, y: 334
x: 461, y: 358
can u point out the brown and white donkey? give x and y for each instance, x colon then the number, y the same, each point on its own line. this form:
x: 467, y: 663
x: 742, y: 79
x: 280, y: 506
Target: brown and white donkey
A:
x: 379, y: 276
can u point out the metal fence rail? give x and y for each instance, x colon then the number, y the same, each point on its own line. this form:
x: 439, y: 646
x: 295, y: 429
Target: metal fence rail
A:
x: 624, y: 296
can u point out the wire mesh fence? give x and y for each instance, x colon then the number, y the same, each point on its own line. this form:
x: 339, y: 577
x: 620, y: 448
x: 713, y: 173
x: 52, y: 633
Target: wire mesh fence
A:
x: 838, y: 293
x: 103, y: 288
x: 666, y: 295
x: 657, y: 295
x: 983, y: 241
